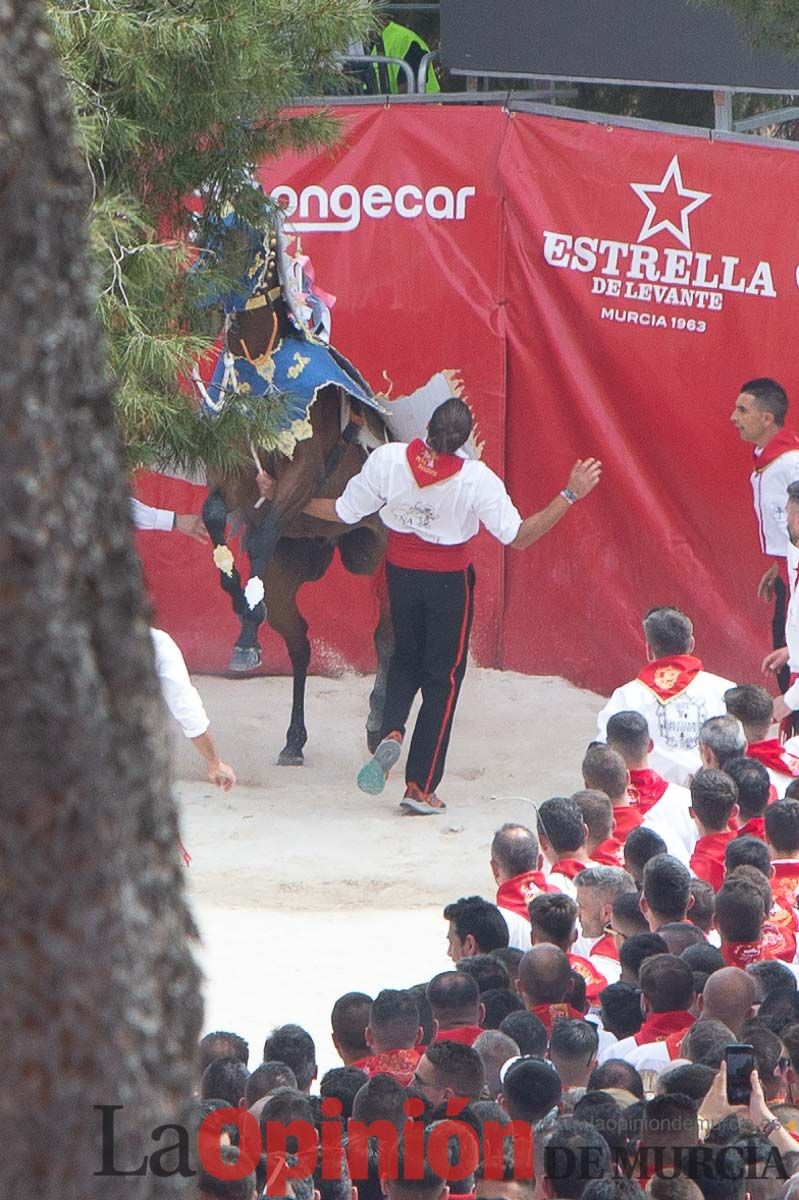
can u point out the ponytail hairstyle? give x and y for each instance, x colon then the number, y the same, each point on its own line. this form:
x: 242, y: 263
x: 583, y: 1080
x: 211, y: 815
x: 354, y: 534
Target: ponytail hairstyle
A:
x: 450, y: 426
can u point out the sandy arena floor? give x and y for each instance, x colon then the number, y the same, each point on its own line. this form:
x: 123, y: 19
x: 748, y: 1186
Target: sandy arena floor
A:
x: 304, y: 888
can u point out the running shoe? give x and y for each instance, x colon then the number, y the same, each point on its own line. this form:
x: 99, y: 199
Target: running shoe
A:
x: 372, y: 777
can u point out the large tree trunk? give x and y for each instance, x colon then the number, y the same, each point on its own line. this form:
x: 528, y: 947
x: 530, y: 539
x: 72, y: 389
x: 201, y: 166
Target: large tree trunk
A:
x: 99, y: 994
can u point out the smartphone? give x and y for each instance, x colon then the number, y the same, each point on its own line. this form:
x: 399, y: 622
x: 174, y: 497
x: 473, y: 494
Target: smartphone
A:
x: 740, y: 1061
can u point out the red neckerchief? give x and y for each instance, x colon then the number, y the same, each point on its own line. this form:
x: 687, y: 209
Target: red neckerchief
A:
x: 785, y: 882
x: 429, y: 467
x: 741, y: 954
x: 595, y: 981
x: 606, y: 947
x: 669, y: 677
x: 626, y: 818
x: 515, y: 894
x: 568, y: 867
x: 648, y: 787
x: 401, y: 1064
x: 707, y: 860
x: 608, y: 853
x: 549, y: 1013
x: 772, y: 754
x: 779, y: 938
x: 674, y: 1044
x: 754, y: 827
x: 780, y: 444
x: 466, y: 1034
x: 658, y: 1026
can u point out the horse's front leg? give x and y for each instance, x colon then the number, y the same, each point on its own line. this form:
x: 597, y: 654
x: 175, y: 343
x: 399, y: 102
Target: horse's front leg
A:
x: 294, y: 489
x: 295, y: 562
x: 214, y: 514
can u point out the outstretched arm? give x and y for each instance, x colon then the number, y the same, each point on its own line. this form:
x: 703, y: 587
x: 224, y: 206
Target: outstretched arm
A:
x: 323, y: 510
x: 583, y: 479
x: 218, y: 772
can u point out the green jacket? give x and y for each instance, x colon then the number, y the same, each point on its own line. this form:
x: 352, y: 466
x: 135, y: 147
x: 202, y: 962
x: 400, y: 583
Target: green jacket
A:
x: 397, y: 41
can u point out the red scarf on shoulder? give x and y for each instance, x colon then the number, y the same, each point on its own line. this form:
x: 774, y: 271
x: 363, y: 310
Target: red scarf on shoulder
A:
x: 754, y: 827
x: 516, y: 893
x: 648, y: 787
x: 606, y: 947
x: 568, y: 867
x: 428, y: 467
x: 549, y: 1013
x: 741, y: 954
x: 658, y: 1026
x: 780, y: 444
x: 668, y: 677
x: 626, y: 818
x: 772, y: 754
x: 465, y: 1034
x: 401, y: 1064
x: 608, y: 853
x: 595, y: 981
x: 785, y: 882
x: 707, y: 860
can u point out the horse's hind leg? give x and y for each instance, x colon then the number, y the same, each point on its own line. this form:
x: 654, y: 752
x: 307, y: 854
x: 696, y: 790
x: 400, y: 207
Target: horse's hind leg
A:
x: 295, y: 561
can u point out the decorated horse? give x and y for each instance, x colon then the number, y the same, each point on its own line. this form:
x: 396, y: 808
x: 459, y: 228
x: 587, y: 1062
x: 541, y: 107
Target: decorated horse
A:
x: 275, y: 348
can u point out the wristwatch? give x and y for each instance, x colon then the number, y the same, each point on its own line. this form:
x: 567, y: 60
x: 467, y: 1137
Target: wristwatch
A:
x: 569, y: 495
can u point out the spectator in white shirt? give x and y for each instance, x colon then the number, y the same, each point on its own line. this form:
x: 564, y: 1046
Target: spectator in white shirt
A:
x: 163, y: 520
x: 183, y: 701
x: 673, y: 691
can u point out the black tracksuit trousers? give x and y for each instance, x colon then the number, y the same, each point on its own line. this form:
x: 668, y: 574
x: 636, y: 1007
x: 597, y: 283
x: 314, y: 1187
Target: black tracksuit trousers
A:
x: 432, y: 616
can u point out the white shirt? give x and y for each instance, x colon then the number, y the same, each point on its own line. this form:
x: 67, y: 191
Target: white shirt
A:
x: 673, y: 726
x: 180, y: 695
x: 447, y: 513
x: 792, y: 625
x: 147, y: 517
x: 518, y: 930
x: 670, y: 818
x: 650, y: 1056
x: 769, y: 488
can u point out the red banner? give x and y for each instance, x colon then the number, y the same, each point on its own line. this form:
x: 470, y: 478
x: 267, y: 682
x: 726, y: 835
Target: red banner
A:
x: 603, y: 291
x: 647, y: 276
x: 404, y: 229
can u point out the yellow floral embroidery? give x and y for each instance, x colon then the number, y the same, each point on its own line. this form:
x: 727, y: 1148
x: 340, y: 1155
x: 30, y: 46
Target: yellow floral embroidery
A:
x: 300, y: 364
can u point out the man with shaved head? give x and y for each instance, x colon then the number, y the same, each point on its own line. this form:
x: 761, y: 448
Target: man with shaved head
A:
x: 349, y: 1019
x: 729, y: 996
x: 455, y: 1000
x: 516, y: 863
x: 544, y: 979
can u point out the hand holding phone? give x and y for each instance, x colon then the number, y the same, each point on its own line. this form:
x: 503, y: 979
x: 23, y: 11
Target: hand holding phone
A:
x: 740, y: 1060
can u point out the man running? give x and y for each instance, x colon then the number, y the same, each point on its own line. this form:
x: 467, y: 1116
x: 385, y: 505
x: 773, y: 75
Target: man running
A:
x: 433, y: 498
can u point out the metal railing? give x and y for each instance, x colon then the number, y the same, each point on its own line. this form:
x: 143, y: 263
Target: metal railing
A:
x: 375, y: 60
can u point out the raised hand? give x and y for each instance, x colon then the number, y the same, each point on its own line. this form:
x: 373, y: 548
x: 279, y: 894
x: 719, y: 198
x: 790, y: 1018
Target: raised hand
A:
x: 585, y: 476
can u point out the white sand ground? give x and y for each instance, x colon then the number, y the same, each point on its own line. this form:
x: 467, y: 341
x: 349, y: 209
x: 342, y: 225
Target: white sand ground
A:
x: 304, y: 888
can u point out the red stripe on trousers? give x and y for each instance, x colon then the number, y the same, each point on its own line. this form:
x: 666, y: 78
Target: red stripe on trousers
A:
x: 452, y: 686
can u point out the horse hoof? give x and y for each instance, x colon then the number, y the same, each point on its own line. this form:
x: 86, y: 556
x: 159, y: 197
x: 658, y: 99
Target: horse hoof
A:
x: 245, y: 658
x: 290, y: 758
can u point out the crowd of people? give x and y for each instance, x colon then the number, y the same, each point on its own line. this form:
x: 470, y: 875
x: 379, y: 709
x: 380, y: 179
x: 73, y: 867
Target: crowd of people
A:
x: 647, y: 923
x: 642, y: 935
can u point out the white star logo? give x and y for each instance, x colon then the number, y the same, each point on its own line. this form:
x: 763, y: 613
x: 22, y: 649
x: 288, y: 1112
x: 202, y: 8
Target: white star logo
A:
x: 670, y: 183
